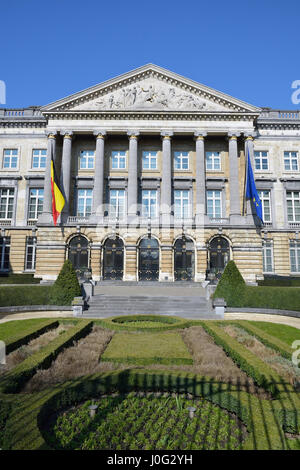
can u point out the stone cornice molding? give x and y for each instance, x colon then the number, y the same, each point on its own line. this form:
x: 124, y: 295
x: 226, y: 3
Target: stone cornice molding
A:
x: 151, y: 115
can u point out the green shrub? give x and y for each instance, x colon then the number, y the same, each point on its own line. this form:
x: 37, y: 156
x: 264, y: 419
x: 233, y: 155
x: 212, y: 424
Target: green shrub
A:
x: 24, y: 295
x: 231, y: 284
x: 12, y: 278
x: 280, y: 282
x: 4, y: 414
x: 268, y: 297
x: 233, y: 289
x: 66, y: 286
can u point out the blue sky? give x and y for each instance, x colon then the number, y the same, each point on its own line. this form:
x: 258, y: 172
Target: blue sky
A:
x: 248, y: 49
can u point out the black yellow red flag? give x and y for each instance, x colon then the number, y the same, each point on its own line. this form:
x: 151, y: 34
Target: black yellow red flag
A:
x: 58, y: 201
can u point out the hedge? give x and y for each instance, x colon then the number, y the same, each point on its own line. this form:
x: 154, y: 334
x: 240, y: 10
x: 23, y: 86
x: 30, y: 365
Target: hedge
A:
x: 233, y: 289
x: 24, y: 427
x: 17, y: 338
x: 14, y: 380
x: 270, y: 341
x: 19, y: 279
x: 24, y: 295
x: 124, y: 323
x: 260, y: 372
x: 280, y: 282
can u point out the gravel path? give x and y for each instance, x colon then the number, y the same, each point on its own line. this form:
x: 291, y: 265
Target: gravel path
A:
x: 291, y: 321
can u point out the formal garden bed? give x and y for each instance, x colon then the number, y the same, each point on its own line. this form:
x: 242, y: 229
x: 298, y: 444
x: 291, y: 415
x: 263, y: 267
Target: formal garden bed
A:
x: 146, y: 421
x: 241, y: 401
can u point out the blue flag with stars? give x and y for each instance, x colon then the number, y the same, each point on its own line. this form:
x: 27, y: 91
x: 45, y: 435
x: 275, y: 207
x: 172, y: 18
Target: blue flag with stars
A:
x: 251, y: 191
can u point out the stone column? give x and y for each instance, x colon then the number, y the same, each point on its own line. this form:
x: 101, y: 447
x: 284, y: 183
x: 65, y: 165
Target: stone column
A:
x: 98, y: 191
x: 235, y: 208
x: 200, y: 178
x: 166, y: 180
x: 132, y: 195
x: 65, y: 176
x: 249, y: 144
x: 46, y: 216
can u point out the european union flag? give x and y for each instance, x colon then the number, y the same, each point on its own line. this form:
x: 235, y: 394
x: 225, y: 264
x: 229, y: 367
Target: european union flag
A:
x: 251, y: 191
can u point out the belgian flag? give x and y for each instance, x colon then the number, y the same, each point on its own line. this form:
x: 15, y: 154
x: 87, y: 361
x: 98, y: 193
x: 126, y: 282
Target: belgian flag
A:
x: 58, y: 201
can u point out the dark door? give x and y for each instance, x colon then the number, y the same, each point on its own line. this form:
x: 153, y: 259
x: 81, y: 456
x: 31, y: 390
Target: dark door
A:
x: 113, y: 259
x: 148, y: 260
x: 184, y: 259
x: 218, y: 255
x: 79, y: 254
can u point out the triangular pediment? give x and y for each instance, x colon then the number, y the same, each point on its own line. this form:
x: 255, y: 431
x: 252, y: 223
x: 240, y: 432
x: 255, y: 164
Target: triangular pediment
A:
x: 150, y: 88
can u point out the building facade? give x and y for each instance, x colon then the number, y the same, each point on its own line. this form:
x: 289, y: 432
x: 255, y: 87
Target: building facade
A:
x: 152, y: 167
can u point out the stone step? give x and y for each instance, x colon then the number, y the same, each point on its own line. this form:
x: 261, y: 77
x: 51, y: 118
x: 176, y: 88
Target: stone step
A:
x: 110, y: 305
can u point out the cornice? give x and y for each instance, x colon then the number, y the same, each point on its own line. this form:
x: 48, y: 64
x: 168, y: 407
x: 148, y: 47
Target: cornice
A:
x: 22, y: 124
x: 149, y: 115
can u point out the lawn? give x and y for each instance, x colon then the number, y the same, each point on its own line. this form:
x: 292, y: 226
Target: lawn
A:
x: 14, y: 331
x: 147, y: 348
x: 285, y: 333
x: 143, y: 383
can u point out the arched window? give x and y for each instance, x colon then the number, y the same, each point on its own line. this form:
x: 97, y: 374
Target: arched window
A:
x: 184, y: 259
x: 113, y: 259
x: 148, y: 259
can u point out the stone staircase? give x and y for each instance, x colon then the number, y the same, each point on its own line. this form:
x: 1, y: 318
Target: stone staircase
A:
x: 178, y: 299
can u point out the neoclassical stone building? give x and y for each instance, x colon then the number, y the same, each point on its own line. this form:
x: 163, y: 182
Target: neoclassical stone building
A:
x: 152, y: 166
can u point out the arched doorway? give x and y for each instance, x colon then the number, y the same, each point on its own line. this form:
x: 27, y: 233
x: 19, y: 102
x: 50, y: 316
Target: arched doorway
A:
x: 78, y: 253
x: 113, y: 259
x: 184, y: 259
x: 219, y: 255
x: 148, y: 259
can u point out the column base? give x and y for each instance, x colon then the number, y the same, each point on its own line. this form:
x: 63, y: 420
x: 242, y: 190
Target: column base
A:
x: 166, y: 277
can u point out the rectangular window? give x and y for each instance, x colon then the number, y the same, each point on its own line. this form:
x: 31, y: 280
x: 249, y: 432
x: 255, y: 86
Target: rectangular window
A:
x: 30, y: 253
x: 39, y: 157
x: 261, y: 160
x: 118, y: 160
x: 213, y: 161
x: 181, y: 160
x: 268, y: 266
x: 293, y: 206
x: 84, y: 202
x: 4, y: 253
x: 87, y: 159
x: 265, y: 197
x: 35, y: 205
x: 182, y: 204
x: 10, y: 159
x: 291, y: 161
x: 117, y: 203
x: 149, y: 160
x: 149, y: 203
x: 7, y: 203
x: 214, y: 204
x: 295, y: 256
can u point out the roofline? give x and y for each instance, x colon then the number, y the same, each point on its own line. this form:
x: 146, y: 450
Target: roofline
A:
x: 157, y: 69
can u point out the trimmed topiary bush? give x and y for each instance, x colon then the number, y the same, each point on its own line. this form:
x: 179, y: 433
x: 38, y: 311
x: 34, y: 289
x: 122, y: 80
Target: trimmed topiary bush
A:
x: 66, y: 286
x: 231, y: 284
